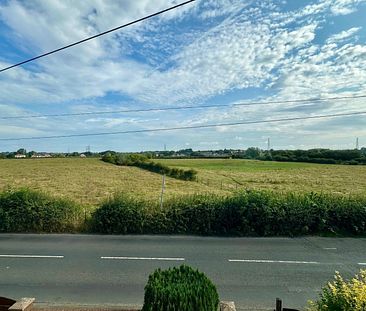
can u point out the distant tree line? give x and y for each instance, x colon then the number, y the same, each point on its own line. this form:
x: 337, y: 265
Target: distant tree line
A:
x: 324, y: 156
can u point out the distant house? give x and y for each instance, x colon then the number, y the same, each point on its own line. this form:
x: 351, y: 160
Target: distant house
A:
x: 19, y: 156
x: 41, y: 155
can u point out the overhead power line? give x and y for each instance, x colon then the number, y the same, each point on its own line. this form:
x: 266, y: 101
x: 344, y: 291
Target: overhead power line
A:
x: 97, y: 35
x: 86, y: 113
x: 190, y: 127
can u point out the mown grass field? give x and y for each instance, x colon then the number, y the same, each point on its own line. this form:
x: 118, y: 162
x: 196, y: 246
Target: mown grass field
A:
x: 90, y: 181
x: 282, y: 176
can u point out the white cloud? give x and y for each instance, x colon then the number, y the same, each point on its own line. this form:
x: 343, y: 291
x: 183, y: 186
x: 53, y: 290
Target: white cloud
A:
x: 237, y: 53
x: 234, y: 55
x: 211, y: 9
x: 344, y: 7
x: 10, y: 110
x: 230, y: 45
x: 343, y: 35
x: 89, y: 70
x: 7, y: 130
x: 114, y: 122
x: 335, y: 7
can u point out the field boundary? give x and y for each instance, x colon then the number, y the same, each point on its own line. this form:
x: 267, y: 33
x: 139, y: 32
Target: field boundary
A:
x: 244, y: 213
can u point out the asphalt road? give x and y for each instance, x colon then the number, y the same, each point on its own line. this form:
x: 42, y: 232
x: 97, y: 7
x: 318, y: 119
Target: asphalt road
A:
x: 91, y: 269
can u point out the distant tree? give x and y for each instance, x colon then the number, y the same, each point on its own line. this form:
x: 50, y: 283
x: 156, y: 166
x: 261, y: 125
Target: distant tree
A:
x: 10, y: 155
x: 149, y: 155
x: 252, y: 153
x: 108, y: 157
x: 107, y: 151
x: 22, y: 151
x: 186, y: 151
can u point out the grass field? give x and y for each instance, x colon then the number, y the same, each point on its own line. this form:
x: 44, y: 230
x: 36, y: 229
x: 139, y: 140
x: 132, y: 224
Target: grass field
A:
x: 283, y: 176
x: 89, y: 181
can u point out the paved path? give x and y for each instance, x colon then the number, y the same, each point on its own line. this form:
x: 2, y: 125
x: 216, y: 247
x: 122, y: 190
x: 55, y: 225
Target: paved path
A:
x: 92, y: 269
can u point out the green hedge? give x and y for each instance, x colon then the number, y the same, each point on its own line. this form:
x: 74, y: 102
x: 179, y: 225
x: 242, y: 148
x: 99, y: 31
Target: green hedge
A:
x: 249, y: 213
x: 121, y: 214
x: 180, y: 288
x: 145, y: 163
x: 30, y: 211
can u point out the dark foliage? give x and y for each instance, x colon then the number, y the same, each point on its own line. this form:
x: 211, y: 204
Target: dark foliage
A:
x: 321, y: 156
x: 249, y: 213
x: 145, y: 163
x: 29, y: 211
x: 180, y: 288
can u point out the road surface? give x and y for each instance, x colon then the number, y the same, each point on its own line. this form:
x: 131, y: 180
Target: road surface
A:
x: 95, y: 270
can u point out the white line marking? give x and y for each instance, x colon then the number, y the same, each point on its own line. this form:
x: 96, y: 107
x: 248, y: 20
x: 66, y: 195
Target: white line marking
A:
x: 145, y: 258
x: 274, y: 261
x: 362, y: 263
x: 31, y: 256
x: 330, y: 248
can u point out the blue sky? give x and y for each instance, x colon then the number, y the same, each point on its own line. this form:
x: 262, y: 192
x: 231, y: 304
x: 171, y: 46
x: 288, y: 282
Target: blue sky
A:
x: 208, y: 52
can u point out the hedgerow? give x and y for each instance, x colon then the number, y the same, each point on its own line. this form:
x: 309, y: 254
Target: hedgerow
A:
x: 145, y: 163
x: 248, y: 213
x: 121, y: 214
x: 30, y: 211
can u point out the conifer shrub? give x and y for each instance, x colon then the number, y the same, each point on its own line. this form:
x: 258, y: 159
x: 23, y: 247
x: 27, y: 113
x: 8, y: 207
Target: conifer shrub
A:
x: 180, y: 288
x: 342, y: 295
x: 25, y: 210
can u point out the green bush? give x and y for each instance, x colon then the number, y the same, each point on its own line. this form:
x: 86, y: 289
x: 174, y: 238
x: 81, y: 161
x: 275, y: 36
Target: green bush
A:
x: 195, y: 214
x: 145, y: 163
x: 248, y: 213
x: 121, y: 214
x: 342, y: 295
x: 180, y: 288
x: 30, y: 211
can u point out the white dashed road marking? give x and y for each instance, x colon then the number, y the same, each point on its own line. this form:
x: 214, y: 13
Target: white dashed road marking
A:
x: 144, y: 258
x: 31, y: 256
x: 274, y: 261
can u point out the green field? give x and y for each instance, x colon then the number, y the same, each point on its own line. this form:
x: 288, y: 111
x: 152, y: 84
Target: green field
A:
x: 89, y: 181
x: 283, y: 176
